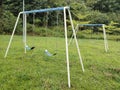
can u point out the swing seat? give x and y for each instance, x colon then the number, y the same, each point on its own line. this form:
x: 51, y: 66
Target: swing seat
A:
x: 48, y: 53
x: 54, y: 53
x: 32, y: 48
x: 29, y: 48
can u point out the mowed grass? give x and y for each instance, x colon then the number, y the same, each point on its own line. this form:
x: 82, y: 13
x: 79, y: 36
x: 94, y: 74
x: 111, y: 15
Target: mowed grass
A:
x: 36, y: 71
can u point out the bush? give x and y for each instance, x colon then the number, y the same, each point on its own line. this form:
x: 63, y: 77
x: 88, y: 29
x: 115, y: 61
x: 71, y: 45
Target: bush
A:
x: 98, y: 18
x: 8, y: 22
x: 115, y: 17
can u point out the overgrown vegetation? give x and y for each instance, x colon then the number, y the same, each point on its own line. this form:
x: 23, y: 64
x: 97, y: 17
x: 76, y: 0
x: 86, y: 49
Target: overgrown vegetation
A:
x: 83, y: 11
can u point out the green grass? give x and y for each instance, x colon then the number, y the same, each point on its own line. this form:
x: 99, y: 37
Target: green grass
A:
x: 36, y: 71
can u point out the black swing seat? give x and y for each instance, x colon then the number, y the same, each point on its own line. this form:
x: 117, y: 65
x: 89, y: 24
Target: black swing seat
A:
x: 55, y: 54
x: 29, y: 48
x: 32, y: 48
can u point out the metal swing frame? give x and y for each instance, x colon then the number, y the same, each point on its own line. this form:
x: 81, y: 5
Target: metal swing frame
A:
x: 91, y: 25
x: 64, y: 9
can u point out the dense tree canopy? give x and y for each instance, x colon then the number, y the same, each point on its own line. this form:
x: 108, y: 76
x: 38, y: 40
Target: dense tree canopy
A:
x: 83, y: 11
x: 107, y: 5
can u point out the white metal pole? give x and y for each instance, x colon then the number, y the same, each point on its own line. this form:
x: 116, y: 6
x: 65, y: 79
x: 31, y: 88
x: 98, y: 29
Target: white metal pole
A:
x: 66, y: 43
x: 23, y: 21
x: 12, y: 35
x: 25, y: 32
x: 23, y: 28
x: 76, y: 29
x: 23, y: 5
x: 105, y: 38
x: 78, y: 49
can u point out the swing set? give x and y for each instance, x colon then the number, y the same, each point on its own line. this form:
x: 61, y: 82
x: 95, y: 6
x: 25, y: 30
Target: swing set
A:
x: 93, y: 25
x: 64, y: 9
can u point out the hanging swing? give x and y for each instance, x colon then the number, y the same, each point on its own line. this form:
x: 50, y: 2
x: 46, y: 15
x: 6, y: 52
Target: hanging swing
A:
x: 46, y: 51
x: 28, y: 48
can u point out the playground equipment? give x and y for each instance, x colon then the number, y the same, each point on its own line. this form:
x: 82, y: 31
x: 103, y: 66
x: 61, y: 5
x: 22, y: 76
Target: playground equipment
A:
x: 64, y: 9
x: 93, y: 25
x: 46, y: 27
x: 29, y: 48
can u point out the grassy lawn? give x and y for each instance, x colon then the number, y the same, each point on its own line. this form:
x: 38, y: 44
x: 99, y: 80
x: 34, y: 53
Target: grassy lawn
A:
x: 36, y: 71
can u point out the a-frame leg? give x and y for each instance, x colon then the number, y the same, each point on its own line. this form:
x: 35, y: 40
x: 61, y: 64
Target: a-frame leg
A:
x: 78, y: 49
x: 12, y: 35
x: 66, y: 45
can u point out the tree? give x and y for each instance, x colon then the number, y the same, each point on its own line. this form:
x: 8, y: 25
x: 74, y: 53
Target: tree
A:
x: 1, y: 2
x: 98, y: 18
x: 1, y: 15
x: 107, y: 5
x: 83, y: 11
x: 1, y: 9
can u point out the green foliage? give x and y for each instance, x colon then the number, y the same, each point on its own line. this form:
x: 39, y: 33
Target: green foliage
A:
x: 56, y: 31
x: 98, y: 18
x: 8, y: 21
x: 111, y: 29
x: 115, y: 17
x: 107, y: 5
x: 1, y: 16
x: 83, y: 11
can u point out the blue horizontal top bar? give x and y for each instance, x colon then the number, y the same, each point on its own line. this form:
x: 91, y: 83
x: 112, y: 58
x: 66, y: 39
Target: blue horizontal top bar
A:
x: 91, y: 24
x: 44, y: 10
